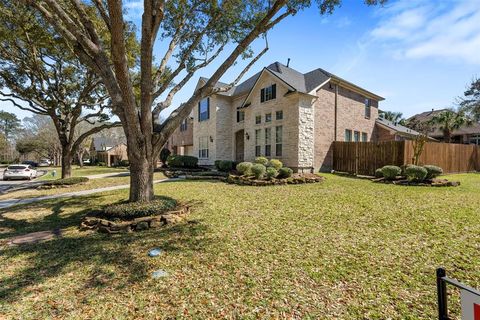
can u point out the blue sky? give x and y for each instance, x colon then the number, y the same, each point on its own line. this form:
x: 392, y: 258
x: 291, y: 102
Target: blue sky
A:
x: 418, y: 54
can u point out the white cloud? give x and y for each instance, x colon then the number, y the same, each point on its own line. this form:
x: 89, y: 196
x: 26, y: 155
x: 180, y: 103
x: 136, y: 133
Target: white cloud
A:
x: 426, y: 29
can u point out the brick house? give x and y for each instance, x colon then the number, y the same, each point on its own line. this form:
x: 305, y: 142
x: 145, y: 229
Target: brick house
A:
x: 107, y: 151
x: 284, y: 114
x: 181, y: 141
x: 465, y: 134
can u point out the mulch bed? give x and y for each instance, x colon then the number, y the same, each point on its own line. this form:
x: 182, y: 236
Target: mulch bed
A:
x: 143, y: 223
x: 297, y: 178
x: 426, y: 183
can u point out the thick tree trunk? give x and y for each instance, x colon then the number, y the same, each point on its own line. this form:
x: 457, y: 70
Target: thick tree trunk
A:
x: 141, y: 180
x: 66, y: 162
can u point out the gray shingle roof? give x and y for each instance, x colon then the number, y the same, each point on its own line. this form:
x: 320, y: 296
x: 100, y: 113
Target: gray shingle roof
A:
x: 402, y: 130
x: 428, y: 115
x: 101, y: 143
x: 300, y: 82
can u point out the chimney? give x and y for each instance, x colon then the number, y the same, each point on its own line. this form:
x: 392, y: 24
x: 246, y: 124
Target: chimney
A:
x: 288, y: 62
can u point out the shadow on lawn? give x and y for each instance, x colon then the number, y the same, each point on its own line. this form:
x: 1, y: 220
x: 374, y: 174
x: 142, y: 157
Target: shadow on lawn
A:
x: 99, y: 260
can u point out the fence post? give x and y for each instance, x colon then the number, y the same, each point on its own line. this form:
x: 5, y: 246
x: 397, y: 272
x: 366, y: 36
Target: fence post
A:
x: 442, y: 295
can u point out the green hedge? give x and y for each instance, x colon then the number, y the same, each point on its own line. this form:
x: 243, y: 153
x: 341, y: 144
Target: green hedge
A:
x: 177, y: 161
x: 224, y: 165
x: 244, y: 168
x: 284, y: 173
x: 277, y: 164
x: 415, y: 173
x: 132, y: 210
x: 258, y: 170
x: 271, y: 173
x: 433, y: 171
x: 66, y: 182
x: 261, y: 160
x: 391, y: 172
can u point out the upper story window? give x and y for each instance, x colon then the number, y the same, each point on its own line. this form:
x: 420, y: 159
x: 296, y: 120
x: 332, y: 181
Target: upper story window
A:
x: 268, y: 93
x: 204, y: 109
x: 240, y: 115
x: 258, y: 119
x: 279, y: 115
x: 368, y: 107
x: 348, y: 135
x: 184, y: 125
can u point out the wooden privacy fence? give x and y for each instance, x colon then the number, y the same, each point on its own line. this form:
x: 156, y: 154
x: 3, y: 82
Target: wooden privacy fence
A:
x: 364, y: 158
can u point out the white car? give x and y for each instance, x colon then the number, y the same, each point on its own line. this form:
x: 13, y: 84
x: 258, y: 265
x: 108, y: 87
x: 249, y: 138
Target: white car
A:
x: 19, y: 171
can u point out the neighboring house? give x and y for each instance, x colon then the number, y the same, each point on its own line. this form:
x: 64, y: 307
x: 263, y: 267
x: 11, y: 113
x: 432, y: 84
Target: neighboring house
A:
x: 284, y: 114
x: 181, y: 141
x: 465, y: 135
x: 389, y: 131
x: 107, y: 151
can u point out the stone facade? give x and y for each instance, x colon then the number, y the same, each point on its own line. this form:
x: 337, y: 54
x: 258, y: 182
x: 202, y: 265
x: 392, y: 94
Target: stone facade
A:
x: 311, y: 122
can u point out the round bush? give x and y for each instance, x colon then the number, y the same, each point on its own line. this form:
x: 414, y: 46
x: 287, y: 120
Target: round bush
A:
x: 271, y: 173
x: 177, y: 161
x: 258, y: 170
x: 284, y: 173
x: 224, y: 165
x: 378, y: 173
x: 244, y: 168
x: 261, y: 160
x: 391, y: 172
x: 66, y: 182
x: 404, y: 167
x: 277, y: 164
x: 433, y: 171
x: 415, y: 173
x: 132, y: 210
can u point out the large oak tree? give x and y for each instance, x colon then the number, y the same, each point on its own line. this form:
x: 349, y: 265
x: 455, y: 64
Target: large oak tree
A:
x: 40, y: 74
x: 196, y: 33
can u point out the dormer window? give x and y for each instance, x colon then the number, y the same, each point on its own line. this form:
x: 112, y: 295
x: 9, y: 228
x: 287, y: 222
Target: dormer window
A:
x: 268, y: 93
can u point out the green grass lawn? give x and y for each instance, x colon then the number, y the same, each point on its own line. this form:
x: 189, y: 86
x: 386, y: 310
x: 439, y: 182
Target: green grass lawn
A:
x: 79, y: 172
x: 91, y: 184
x: 342, y: 249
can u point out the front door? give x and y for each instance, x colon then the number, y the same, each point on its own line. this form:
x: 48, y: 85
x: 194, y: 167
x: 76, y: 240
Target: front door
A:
x: 239, y: 145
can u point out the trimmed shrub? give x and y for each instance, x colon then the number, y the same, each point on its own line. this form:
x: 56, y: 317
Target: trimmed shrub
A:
x: 66, y: 182
x: 284, y: 173
x: 391, y: 172
x: 164, y: 154
x: 224, y: 165
x: 132, y: 210
x: 244, y: 168
x: 378, y: 173
x: 271, y: 173
x: 258, y: 170
x: 123, y: 163
x: 101, y: 164
x: 415, y: 173
x: 404, y: 167
x: 277, y: 164
x: 433, y: 171
x: 261, y: 160
x: 177, y: 161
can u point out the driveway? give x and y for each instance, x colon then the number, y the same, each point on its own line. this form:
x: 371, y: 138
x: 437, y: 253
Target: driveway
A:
x: 6, y: 186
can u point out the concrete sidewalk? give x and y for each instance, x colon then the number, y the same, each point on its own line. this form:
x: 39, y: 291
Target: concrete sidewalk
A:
x: 13, y: 202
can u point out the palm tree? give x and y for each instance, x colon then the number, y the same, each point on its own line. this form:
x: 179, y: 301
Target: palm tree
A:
x: 395, y: 117
x: 449, y: 120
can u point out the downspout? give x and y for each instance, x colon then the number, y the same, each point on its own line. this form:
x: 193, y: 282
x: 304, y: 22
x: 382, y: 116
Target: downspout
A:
x: 335, y: 112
